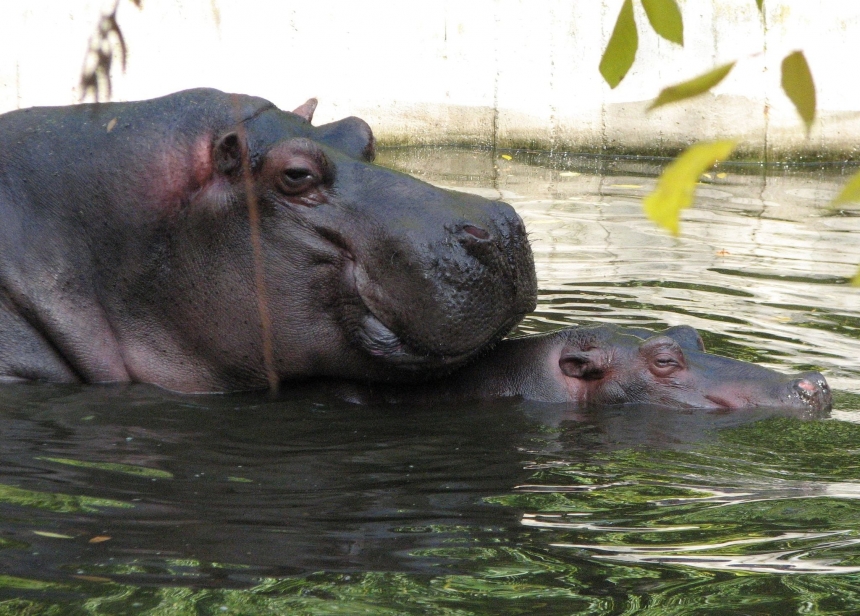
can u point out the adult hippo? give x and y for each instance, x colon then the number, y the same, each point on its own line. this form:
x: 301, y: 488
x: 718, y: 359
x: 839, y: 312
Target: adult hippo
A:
x: 608, y: 365
x: 210, y: 242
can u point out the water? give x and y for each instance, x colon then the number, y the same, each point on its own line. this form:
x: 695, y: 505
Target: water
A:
x: 130, y: 500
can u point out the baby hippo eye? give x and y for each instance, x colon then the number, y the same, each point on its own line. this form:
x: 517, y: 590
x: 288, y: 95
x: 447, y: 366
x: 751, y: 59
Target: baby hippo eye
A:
x: 665, y: 364
x: 662, y: 355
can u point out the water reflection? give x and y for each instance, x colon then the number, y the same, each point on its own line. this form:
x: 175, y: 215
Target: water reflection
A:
x: 781, y: 561
x: 276, y: 485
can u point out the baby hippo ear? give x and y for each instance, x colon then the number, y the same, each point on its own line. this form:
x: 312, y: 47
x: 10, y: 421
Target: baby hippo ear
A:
x: 352, y: 136
x: 580, y: 363
x: 306, y: 110
x: 686, y: 337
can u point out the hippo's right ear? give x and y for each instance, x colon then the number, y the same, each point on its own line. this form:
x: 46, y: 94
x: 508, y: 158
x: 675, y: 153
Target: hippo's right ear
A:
x: 351, y: 136
x: 580, y: 364
x: 686, y: 336
x: 227, y: 154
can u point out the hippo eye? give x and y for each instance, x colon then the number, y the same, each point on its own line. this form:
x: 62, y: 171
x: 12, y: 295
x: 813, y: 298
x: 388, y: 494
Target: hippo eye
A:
x: 663, y: 365
x: 297, y: 175
x: 296, y: 180
x: 662, y: 355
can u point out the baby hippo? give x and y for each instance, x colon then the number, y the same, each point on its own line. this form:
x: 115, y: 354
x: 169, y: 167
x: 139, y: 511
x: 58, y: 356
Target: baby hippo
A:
x: 608, y: 365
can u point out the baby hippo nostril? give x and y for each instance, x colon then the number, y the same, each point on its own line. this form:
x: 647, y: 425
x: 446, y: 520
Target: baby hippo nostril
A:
x: 476, y: 232
x: 807, y: 386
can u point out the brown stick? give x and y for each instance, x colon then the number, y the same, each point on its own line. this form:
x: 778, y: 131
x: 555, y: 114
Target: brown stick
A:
x: 257, y: 247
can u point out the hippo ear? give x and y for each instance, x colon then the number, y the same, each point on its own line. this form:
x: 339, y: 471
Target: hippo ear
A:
x: 580, y: 364
x: 686, y: 336
x: 351, y: 136
x: 227, y: 154
x: 639, y: 332
x: 306, y: 110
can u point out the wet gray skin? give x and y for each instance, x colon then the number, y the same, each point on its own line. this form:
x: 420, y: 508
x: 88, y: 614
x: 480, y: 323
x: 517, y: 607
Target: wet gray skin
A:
x: 608, y: 365
x: 126, y: 250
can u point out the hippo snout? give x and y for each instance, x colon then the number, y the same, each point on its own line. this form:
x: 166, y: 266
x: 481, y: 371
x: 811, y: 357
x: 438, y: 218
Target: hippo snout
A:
x: 448, y: 275
x: 812, y: 389
x: 500, y: 244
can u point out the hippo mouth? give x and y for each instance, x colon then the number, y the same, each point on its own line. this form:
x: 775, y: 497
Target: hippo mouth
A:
x: 382, y: 342
x: 378, y: 340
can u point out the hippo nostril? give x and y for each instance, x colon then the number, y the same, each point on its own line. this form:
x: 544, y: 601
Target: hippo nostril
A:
x: 806, y: 390
x: 806, y: 386
x: 476, y: 232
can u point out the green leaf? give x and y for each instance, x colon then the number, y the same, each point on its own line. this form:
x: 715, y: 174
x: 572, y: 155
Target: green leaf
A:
x: 798, y: 86
x: 677, y: 183
x: 665, y: 18
x: 760, y: 4
x: 692, y: 87
x: 129, y: 469
x: 855, y: 282
x: 621, y: 49
x: 60, y: 503
x: 8, y: 581
x: 43, y: 533
x: 850, y: 192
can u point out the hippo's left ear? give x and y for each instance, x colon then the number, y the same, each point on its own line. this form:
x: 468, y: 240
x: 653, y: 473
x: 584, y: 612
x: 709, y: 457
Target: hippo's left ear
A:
x: 580, y: 364
x: 306, y: 110
x: 228, y: 152
x: 351, y: 136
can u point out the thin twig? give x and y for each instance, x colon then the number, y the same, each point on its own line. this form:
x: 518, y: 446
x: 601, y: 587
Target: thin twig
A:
x: 106, y: 43
x: 257, y: 247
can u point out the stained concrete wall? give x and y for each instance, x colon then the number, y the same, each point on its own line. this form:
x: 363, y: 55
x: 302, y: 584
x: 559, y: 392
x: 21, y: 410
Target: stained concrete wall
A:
x: 502, y: 73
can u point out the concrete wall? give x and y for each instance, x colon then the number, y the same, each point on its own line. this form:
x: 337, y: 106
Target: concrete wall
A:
x: 502, y: 73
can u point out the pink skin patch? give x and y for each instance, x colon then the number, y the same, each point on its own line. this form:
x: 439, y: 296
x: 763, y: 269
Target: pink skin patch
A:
x: 180, y: 172
x: 807, y: 385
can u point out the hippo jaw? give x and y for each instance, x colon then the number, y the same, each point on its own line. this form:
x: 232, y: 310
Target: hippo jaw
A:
x: 380, y: 340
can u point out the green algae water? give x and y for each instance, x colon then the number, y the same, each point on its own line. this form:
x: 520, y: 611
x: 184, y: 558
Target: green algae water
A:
x: 130, y: 500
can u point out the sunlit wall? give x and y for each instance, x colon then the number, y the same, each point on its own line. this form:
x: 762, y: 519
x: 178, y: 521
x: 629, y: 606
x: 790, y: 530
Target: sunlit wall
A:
x: 494, y: 72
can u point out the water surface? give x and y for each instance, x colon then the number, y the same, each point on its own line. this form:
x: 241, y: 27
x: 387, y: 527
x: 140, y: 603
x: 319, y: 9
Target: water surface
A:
x: 131, y: 500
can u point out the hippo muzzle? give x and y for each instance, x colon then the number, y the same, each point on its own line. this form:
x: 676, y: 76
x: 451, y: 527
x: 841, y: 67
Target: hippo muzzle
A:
x: 437, y: 292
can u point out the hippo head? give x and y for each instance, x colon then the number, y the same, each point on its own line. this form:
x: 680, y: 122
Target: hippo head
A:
x: 364, y: 272
x: 607, y: 365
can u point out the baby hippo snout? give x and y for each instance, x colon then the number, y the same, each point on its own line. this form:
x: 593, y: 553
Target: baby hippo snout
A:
x: 812, y: 389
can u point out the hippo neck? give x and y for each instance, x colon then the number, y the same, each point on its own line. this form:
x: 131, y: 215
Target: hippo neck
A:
x: 49, y: 337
